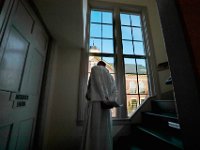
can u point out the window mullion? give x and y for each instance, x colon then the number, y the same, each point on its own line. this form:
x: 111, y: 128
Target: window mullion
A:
x: 101, y: 33
x: 120, y: 76
x: 138, y: 87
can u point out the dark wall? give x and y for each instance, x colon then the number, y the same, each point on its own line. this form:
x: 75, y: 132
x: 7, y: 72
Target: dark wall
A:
x: 189, y: 11
x: 183, y: 59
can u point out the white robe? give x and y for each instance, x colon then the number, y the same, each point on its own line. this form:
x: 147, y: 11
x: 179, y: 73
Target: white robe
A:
x: 97, y: 129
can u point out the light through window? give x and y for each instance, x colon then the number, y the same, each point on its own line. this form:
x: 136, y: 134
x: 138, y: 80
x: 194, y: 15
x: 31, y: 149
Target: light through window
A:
x: 134, y: 66
x: 134, y: 60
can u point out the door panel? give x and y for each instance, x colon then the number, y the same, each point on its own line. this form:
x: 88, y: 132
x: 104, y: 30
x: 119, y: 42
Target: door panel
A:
x: 1, y: 4
x: 24, y: 136
x: 5, y: 7
x: 13, y: 60
x: 5, y: 108
x: 35, y: 72
x: 42, y: 39
x: 21, y: 16
x: 22, y: 57
x: 4, y: 136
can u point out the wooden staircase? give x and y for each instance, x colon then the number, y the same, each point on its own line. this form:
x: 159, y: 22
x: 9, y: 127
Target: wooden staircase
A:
x: 159, y: 130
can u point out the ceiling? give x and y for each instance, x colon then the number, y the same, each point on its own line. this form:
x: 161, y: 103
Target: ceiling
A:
x: 63, y: 19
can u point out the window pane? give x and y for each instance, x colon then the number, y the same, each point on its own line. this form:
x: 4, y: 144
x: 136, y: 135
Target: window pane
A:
x: 114, y: 112
x: 109, y: 64
x: 131, y: 84
x: 143, y: 98
x: 137, y: 34
x: 95, y: 16
x: 107, y: 46
x: 141, y: 66
x: 125, y: 19
x: 126, y: 33
x: 130, y: 65
x: 138, y: 48
x: 141, y: 87
x: 143, y: 84
x: 97, y: 45
x: 93, y: 60
x: 135, y: 19
x: 95, y: 30
x: 107, y: 17
x: 132, y: 103
x: 107, y: 31
x: 127, y: 47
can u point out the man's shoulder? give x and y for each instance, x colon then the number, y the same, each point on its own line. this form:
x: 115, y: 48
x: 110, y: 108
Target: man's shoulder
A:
x: 94, y: 67
x: 99, y: 68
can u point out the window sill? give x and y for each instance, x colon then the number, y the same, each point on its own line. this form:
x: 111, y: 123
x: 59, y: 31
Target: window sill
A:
x: 116, y: 121
x: 121, y: 121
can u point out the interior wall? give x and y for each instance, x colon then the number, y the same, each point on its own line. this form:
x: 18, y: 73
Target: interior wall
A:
x: 64, y: 20
x: 191, y: 25
x: 63, y: 131
x: 50, y: 94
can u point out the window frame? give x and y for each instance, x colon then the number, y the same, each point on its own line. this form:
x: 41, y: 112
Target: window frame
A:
x: 118, y: 56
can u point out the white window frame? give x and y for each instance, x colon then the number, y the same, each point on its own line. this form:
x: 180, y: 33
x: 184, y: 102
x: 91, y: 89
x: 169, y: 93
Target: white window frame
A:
x: 151, y: 65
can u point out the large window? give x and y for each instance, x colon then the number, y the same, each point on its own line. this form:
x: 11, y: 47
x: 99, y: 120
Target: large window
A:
x: 131, y: 50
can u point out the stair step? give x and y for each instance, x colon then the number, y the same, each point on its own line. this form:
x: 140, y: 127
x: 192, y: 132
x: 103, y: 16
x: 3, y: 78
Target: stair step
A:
x: 126, y: 143
x: 134, y: 147
x: 163, y: 115
x: 159, y: 129
x: 163, y: 106
x: 167, y: 122
x: 151, y: 116
x: 164, y: 137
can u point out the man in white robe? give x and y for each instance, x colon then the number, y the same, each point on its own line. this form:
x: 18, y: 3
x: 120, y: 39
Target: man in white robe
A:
x: 97, y: 127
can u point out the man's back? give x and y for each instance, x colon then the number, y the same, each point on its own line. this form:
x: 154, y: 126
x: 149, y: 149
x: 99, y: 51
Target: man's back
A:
x: 101, y: 83
x: 97, y: 127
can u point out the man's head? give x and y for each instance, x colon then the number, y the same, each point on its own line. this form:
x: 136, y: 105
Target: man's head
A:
x: 101, y: 63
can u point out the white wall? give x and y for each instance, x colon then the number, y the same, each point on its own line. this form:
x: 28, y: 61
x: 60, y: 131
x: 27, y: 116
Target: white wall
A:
x: 62, y: 132
x: 64, y: 19
x: 50, y: 97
